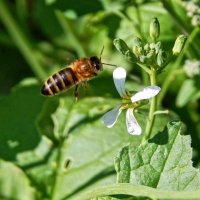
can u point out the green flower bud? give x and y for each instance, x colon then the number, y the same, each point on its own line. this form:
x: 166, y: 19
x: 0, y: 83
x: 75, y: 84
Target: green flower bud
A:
x: 121, y: 46
x: 152, y: 45
x: 137, y: 45
x: 140, y: 49
x: 161, y: 58
x: 150, y: 57
x: 143, y: 59
x: 179, y: 44
x: 154, y: 29
x: 137, y: 42
x: 130, y: 56
x: 151, y: 53
x: 158, y: 46
x: 146, y: 47
x: 136, y: 51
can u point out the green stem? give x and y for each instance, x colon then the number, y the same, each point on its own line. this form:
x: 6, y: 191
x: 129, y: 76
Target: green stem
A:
x: 172, y: 71
x: 65, y: 23
x: 153, y: 107
x: 58, y: 169
x: 124, y: 15
x: 146, y: 69
x: 136, y: 191
x: 168, y: 6
x: 139, y: 24
x: 139, y: 29
x: 20, y: 40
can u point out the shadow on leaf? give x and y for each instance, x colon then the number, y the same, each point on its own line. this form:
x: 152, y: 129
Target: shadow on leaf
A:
x: 160, y: 138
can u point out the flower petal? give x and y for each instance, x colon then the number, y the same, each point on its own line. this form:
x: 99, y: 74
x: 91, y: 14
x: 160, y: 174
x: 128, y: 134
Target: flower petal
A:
x: 110, y: 117
x: 132, y: 126
x: 145, y: 93
x: 119, y: 76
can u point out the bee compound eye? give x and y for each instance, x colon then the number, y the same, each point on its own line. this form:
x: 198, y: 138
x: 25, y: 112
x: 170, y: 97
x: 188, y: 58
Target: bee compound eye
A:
x: 96, y: 62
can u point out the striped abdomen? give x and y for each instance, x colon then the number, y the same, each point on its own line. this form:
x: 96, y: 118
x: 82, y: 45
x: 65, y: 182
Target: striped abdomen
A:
x: 58, y: 82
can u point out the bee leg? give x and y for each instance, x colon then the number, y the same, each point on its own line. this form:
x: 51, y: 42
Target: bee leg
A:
x: 85, y: 85
x: 76, y: 92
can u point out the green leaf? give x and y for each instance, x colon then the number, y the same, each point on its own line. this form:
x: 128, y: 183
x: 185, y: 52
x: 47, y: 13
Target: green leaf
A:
x: 138, y: 192
x: 163, y: 162
x: 44, y: 120
x: 89, y: 148
x: 112, y: 198
x: 186, y: 93
x: 61, y: 116
x: 18, y: 113
x: 28, y: 158
x: 14, y: 184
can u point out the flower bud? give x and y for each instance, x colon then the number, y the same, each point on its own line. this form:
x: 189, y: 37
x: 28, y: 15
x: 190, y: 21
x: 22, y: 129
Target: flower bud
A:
x: 161, y: 58
x: 130, y: 56
x: 137, y: 41
x: 137, y: 45
x: 143, y: 59
x: 154, y: 29
x: 121, y: 46
x: 152, y: 45
x: 150, y: 57
x: 151, y: 53
x: 136, y: 51
x: 179, y: 44
x: 158, y: 46
x: 146, y: 47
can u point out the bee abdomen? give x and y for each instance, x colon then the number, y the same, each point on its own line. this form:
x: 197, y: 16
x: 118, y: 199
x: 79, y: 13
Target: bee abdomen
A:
x: 58, y: 82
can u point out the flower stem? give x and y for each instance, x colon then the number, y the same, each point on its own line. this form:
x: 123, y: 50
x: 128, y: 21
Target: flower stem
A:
x: 169, y: 7
x: 153, y: 105
x: 173, y: 69
x: 20, y: 40
x: 68, y: 29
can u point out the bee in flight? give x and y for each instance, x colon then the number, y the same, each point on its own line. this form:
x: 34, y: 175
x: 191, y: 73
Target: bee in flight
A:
x: 82, y: 70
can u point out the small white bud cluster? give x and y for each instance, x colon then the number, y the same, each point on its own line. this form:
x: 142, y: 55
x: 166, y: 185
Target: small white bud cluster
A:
x: 192, y: 68
x: 193, y: 11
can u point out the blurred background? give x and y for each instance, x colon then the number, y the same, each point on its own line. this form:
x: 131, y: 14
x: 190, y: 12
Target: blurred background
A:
x: 44, y: 137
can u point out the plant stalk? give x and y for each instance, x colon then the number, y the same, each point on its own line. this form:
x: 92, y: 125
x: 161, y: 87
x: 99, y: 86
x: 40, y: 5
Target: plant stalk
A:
x: 20, y: 40
x: 68, y: 29
x: 153, y: 107
x: 173, y: 70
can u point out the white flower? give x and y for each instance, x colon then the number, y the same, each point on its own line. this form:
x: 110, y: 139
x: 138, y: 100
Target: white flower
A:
x: 192, y: 68
x: 128, y: 102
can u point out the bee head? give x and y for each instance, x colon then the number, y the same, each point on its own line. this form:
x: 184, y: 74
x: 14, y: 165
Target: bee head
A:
x: 96, y: 62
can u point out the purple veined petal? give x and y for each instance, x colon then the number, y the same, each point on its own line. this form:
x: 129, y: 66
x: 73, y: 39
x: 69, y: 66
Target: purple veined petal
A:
x: 146, y: 93
x: 119, y: 76
x: 111, y: 117
x: 131, y: 123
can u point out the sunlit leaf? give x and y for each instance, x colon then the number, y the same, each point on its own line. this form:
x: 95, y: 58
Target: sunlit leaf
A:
x: 89, y: 148
x: 162, y: 162
x: 187, y: 91
x: 129, y: 191
x: 14, y: 184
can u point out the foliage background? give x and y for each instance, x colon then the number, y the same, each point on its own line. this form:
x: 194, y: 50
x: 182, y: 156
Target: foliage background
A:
x: 56, y: 148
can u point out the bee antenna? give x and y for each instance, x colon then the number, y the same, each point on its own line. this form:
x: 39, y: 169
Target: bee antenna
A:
x: 101, y: 52
x: 109, y: 64
x: 106, y: 63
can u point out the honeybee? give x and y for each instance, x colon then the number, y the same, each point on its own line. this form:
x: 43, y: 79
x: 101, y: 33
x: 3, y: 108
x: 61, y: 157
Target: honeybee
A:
x: 82, y: 70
